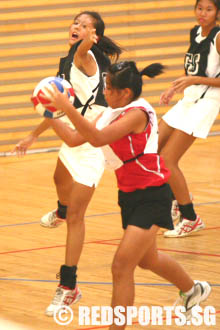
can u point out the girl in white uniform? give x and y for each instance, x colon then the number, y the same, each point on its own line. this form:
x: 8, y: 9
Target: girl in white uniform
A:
x: 80, y: 167
x: 193, y: 116
x: 84, y: 162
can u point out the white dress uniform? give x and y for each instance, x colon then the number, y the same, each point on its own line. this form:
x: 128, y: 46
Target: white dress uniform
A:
x: 85, y: 163
x: 192, y: 114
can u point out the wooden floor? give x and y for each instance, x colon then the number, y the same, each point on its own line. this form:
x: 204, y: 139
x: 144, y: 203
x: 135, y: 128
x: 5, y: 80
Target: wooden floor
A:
x: 31, y: 255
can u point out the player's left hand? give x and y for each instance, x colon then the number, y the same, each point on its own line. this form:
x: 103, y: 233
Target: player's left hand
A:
x: 181, y: 83
x: 92, y: 35
x: 166, y: 96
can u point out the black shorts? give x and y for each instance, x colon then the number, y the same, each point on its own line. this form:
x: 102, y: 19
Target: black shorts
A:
x: 146, y: 207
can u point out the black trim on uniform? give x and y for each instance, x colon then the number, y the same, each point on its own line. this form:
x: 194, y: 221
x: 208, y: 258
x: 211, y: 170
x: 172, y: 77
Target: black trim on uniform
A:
x: 196, y: 58
x: 103, y: 63
x: 134, y: 158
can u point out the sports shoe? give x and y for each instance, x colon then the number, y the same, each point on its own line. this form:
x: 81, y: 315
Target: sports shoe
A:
x: 201, y: 292
x: 51, y: 220
x: 63, y: 297
x: 185, y: 227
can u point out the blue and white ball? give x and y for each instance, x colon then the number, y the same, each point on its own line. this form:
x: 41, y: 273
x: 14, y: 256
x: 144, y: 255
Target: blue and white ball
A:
x: 40, y: 96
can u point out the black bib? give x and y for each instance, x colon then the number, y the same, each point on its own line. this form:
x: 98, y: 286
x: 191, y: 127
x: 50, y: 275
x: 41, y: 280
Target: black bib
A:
x: 103, y: 63
x: 196, y: 58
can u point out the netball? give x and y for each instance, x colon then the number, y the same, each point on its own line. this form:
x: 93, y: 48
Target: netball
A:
x: 41, y: 96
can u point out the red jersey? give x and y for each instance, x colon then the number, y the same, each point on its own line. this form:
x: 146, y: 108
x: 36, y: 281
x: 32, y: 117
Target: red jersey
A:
x: 148, y: 169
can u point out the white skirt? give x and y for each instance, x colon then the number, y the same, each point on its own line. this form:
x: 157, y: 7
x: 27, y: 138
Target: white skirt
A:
x: 85, y: 163
x: 193, y: 118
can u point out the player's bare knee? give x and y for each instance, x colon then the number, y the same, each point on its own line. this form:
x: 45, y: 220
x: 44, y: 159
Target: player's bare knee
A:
x: 146, y: 264
x: 149, y: 263
x: 121, y: 268
x: 168, y: 158
x: 74, y: 218
x: 117, y: 271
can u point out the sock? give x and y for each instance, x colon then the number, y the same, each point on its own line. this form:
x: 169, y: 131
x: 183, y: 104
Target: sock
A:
x: 188, y: 293
x: 187, y: 211
x: 61, y: 210
x: 68, y: 276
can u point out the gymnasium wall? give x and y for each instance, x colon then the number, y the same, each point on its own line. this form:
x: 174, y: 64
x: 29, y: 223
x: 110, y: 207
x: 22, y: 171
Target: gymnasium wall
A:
x: 34, y: 34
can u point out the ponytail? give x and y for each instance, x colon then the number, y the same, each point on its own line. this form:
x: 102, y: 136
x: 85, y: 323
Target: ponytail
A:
x: 126, y: 75
x: 153, y: 70
x: 109, y: 47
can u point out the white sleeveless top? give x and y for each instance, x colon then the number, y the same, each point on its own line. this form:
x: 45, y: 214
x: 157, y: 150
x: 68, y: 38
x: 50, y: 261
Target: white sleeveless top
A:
x: 83, y: 86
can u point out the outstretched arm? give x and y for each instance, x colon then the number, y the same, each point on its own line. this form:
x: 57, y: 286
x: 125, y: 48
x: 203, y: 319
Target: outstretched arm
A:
x: 82, y: 59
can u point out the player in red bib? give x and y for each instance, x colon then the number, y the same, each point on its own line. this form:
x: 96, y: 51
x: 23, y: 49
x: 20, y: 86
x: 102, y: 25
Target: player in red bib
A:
x: 129, y: 127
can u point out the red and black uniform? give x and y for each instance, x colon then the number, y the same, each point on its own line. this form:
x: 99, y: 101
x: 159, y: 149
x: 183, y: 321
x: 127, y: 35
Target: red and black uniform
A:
x: 144, y: 196
x: 141, y: 168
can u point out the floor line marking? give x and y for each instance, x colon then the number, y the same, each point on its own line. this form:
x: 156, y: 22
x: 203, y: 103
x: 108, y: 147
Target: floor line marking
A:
x: 92, y: 283
x: 37, y: 222
x: 111, y: 242
x: 96, y: 215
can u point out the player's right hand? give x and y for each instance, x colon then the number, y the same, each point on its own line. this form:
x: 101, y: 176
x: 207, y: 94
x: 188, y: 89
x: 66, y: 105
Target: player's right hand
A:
x: 21, y: 147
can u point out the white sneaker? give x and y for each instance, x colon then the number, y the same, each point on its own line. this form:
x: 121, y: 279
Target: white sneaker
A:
x: 201, y: 292
x: 51, y: 220
x: 185, y: 227
x: 63, y: 297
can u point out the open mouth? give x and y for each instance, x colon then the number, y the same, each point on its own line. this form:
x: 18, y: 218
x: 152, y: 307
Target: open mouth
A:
x: 74, y: 35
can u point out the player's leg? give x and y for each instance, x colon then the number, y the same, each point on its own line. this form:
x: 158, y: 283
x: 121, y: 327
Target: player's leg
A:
x: 176, y: 146
x: 133, y: 246
x: 63, y: 182
x: 79, y: 199
x: 191, y: 292
x: 165, y: 132
x: 67, y: 291
x: 166, y: 267
x: 87, y: 171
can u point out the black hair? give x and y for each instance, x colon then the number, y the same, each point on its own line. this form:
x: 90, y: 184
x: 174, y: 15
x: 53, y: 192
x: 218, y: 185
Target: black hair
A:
x: 126, y: 75
x: 105, y: 44
x: 215, y: 2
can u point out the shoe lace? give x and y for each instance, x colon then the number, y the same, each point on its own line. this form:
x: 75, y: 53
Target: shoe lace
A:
x: 181, y: 300
x: 179, y: 223
x: 57, y: 297
x: 188, y: 301
x: 52, y: 216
